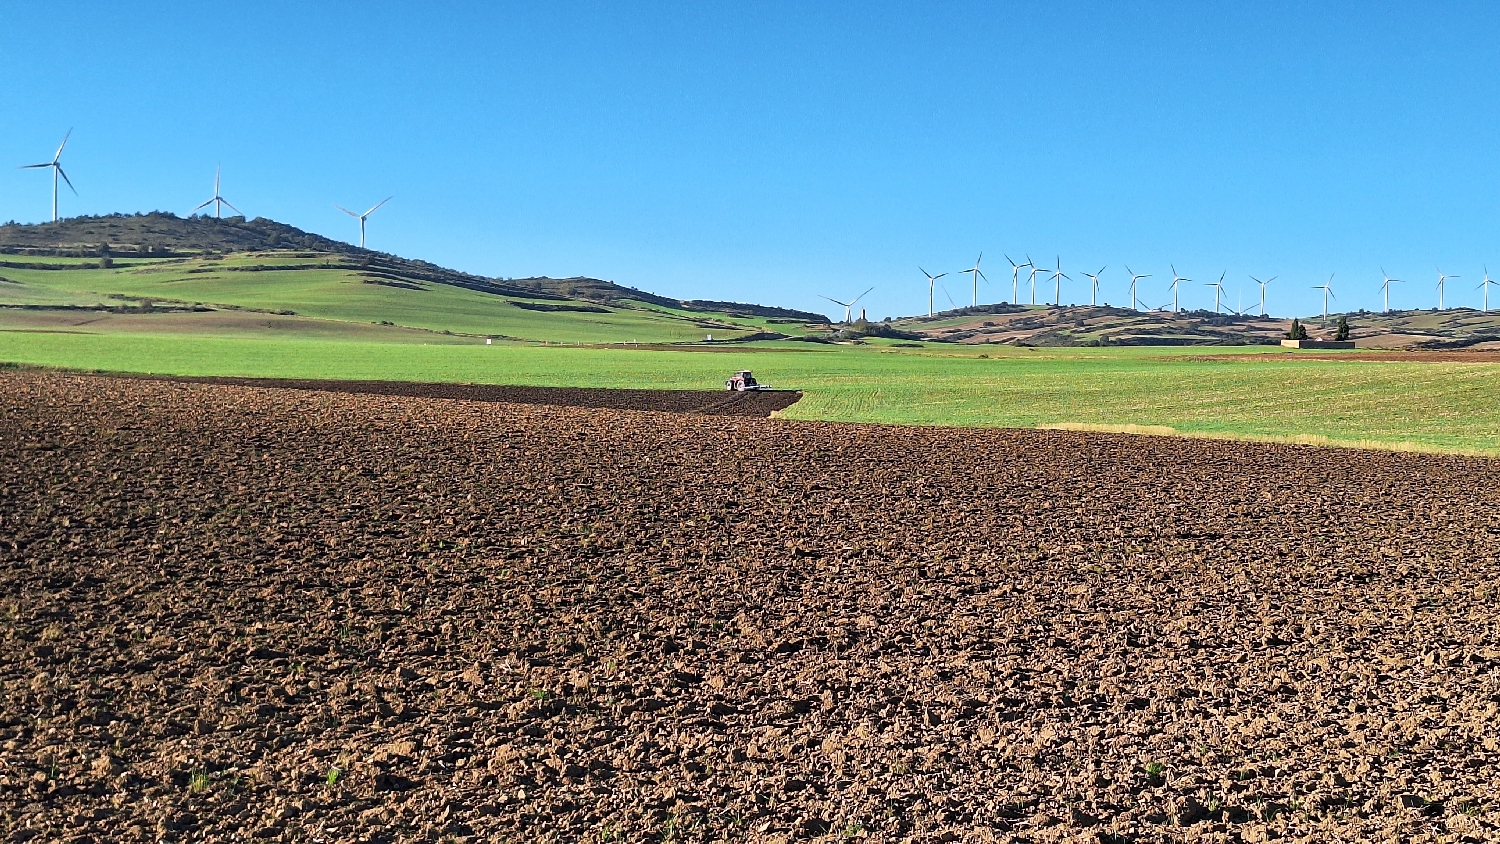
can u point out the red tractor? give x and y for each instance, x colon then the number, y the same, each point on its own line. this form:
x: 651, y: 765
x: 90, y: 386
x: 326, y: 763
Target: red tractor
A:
x: 742, y: 381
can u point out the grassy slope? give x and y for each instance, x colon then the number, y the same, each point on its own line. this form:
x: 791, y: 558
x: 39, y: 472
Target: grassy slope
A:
x: 1432, y: 406
x: 339, y: 293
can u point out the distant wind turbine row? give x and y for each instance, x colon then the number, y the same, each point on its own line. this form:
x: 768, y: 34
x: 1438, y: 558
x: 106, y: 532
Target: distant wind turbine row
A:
x: 217, y: 200
x: 1057, y: 276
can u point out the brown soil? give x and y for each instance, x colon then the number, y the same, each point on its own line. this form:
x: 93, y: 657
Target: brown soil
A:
x: 230, y: 612
x: 705, y: 402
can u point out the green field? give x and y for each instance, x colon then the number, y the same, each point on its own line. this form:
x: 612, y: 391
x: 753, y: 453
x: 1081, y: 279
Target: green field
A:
x: 1428, y: 406
x: 334, y: 288
x: 324, y: 315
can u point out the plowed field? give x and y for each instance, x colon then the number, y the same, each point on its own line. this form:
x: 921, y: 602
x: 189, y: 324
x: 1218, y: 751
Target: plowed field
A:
x: 705, y: 402
x: 233, y: 612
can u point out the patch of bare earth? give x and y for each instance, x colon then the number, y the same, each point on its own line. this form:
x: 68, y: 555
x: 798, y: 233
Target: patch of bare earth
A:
x: 287, y: 615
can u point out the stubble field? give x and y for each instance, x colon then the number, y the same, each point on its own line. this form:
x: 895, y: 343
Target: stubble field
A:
x: 237, y: 612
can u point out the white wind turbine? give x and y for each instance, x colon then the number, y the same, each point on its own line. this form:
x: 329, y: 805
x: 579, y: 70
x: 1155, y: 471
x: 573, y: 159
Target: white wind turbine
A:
x: 1442, y: 279
x: 57, y: 170
x: 218, y: 202
x: 1135, y: 277
x: 1263, y: 291
x: 1034, y: 270
x: 1485, y: 285
x: 360, y: 217
x: 931, y: 280
x: 977, y: 276
x: 1094, y: 278
x: 1057, y: 276
x: 1327, y: 288
x: 849, y: 305
x: 1015, y: 278
x: 1176, y: 280
x: 1385, y: 288
x: 1218, y: 287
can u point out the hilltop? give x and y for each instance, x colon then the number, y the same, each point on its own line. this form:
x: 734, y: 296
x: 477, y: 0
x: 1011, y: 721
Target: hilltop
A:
x: 163, y: 235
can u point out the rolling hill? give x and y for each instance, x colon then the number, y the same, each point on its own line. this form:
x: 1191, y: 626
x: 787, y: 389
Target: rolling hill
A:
x: 162, y: 272
x: 1085, y: 325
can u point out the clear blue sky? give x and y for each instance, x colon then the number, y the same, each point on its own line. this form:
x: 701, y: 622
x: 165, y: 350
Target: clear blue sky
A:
x: 769, y: 152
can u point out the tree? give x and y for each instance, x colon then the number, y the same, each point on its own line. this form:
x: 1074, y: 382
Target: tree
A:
x: 1343, y: 329
x: 1298, y: 331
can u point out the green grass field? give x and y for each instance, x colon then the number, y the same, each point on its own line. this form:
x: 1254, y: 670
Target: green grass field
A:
x: 330, y: 288
x: 1426, y: 406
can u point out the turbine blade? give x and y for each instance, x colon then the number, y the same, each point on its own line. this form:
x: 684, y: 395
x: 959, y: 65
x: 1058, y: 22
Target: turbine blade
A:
x: 64, y: 174
x: 204, y: 205
x: 63, y: 144
x: 377, y: 205
x: 236, y: 210
x: 345, y: 210
x: 33, y: 166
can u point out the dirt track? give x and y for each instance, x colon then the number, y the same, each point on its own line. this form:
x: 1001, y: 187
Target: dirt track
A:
x: 310, y: 615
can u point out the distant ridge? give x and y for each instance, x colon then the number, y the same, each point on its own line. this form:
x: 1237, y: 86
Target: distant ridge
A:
x: 164, y: 234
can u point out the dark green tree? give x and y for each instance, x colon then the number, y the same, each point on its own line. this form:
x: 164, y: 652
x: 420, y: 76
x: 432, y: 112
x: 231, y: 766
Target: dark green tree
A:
x: 1298, y: 331
x: 1343, y: 329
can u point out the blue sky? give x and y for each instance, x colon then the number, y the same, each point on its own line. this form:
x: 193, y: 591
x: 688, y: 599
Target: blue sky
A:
x: 771, y: 152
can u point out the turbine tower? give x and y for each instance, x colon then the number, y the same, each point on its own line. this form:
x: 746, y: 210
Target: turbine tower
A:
x: 1218, y: 287
x: 1094, y: 278
x: 57, y: 170
x: 1135, y: 277
x: 1176, y: 280
x: 1441, y: 280
x: 1485, y: 285
x: 1327, y: 288
x: 977, y: 276
x: 848, y: 306
x: 1034, y: 270
x: 218, y: 202
x: 1263, y: 291
x: 1058, y: 275
x: 1015, y: 278
x: 360, y: 217
x: 1385, y: 288
x: 931, y: 280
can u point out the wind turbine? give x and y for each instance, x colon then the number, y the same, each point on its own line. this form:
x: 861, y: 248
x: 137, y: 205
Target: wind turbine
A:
x: 360, y: 217
x: 1034, y: 270
x: 977, y: 276
x: 1058, y: 275
x: 218, y: 202
x: 931, y: 280
x: 1176, y: 280
x: 1385, y: 287
x: 1327, y: 288
x: 1218, y: 287
x: 1094, y: 277
x: 56, y: 171
x: 848, y: 306
x: 1015, y: 278
x: 1485, y: 285
x: 1441, y: 279
x: 1135, y: 277
x: 1263, y: 291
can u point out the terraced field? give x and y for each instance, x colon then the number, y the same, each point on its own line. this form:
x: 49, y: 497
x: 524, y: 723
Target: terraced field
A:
x: 293, y: 615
